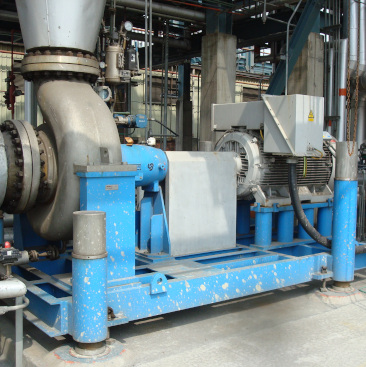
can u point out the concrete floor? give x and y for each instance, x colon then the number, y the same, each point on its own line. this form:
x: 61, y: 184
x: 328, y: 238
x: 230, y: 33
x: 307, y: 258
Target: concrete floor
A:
x: 295, y: 326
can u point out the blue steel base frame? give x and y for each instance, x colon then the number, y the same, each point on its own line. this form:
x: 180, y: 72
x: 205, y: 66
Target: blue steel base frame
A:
x: 142, y: 285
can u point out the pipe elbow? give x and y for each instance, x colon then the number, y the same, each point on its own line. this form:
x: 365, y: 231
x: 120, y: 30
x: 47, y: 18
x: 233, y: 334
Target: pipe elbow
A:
x: 81, y: 125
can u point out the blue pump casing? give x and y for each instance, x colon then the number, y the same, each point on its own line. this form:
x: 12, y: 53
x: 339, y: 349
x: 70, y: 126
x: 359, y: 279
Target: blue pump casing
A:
x: 152, y: 162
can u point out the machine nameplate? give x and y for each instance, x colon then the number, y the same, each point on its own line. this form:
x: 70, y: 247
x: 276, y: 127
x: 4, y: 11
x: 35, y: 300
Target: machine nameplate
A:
x: 111, y: 187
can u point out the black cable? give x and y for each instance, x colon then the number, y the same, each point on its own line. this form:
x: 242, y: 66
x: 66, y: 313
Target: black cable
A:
x: 299, y: 212
x: 159, y: 122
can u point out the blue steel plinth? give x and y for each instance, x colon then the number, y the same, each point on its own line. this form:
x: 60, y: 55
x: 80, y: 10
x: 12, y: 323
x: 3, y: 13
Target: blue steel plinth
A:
x: 325, y: 221
x: 285, y: 229
x: 310, y: 215
x: 263, y: 229
x: 243, y: 217
x: 344, y: 230
x: 114, y: 193
x: 89, y: 300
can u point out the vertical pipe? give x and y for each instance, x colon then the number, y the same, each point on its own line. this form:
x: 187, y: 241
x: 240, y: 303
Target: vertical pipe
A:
x: 285, y: 228
x: 330, y: 84
x: 362, y: 33
x: 146, y: 32
x: 342, y: 79
x: 150, y: 66
x: 199, y: 111
x: 345, y: 214
x: 310, y: 215
x: 263, y: 229
x: 361, y: 128
x: 19, y: 333
x: 1, y: 228
x: 166, y: 72
x: 353, y: 36
x: 89, y: 282
x: 243, y: 217
x: 325, y: 221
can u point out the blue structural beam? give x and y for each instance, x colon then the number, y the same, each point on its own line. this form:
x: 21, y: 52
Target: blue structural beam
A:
x: 309, y: 18
x: 174, y: 285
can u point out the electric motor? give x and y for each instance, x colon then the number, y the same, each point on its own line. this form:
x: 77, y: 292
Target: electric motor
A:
x: 268, y: 173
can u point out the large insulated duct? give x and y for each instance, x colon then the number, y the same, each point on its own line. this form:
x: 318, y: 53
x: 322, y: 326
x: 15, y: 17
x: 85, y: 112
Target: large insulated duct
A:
x: 72, y: 24
x: 60, y: 37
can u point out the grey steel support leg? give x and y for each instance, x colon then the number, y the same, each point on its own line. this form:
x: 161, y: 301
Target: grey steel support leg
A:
x: 19, y: 333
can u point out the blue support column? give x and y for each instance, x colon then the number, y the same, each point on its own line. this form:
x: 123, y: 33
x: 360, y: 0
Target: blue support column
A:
x: 243, y: 217
x: 310, y: 215
x: 263, y: 229
x: 325, y: 221
x: 89, y: 299
x: 114, y: 193
x: 345, y: 215
x: 285, y: 228
x: 89, y: 282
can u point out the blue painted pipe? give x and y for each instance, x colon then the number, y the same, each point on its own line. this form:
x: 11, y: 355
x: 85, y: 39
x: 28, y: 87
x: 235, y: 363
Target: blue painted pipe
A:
x: 344, y: 230
x: 345, y: 214
x: 152, y: 161
x: 285, y: 228
x: 263, y: 229
x: 325, y: 221
x: 310, y: 215
x: 89, y: 300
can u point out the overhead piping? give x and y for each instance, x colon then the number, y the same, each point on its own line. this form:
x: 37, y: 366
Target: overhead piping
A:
x: 168, y: 10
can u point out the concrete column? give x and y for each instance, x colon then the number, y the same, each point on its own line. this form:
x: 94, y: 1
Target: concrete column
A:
x: 308, y: 73
x: 218, y: 80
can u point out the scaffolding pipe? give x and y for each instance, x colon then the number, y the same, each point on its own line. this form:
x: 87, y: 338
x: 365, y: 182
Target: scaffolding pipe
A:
x: 330, y: 84
x: 342, y: 80
x: 146, y: 30
x: 166, y: 54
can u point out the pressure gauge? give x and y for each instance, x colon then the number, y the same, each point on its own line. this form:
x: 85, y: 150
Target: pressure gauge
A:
x: 128, y: 26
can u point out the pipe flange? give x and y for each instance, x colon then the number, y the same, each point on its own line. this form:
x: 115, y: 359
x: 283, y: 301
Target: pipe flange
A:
x: 59, y: 64
x: 48, y: 155
x: 3, y: 169
x: 23, y: 161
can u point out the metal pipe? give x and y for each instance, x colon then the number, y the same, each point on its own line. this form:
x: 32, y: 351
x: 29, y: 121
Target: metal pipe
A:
x: 19, y: 332
x: 361, y: 119
x: 9, y: 16
x: 342, y: 80
x: 163, y: 9
x: 82, y: 124
x: 183, y: 44
x: 362, y: 33
x: 146, y: 54
x: 353, y: 36
x: 150, y: 66
x: 166, y: 71
x: 287, y: 41
x: 330, y: 83
x: 89, y: 282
